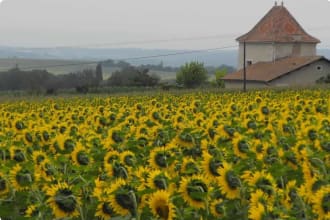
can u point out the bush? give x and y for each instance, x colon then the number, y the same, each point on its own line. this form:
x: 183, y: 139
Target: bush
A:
x: 131, y: 76
x: 192, y: 75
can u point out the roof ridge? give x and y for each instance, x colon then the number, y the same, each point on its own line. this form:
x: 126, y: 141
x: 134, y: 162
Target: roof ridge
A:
x: 256, y: 71
x: 277, y: 25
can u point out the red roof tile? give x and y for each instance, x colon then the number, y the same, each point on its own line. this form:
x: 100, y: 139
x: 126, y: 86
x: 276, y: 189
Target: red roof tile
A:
x: 268, y: 71
x: 278, y: 25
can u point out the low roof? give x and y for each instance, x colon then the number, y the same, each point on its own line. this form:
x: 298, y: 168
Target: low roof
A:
x: 278, y: 25
x: 268, y: 71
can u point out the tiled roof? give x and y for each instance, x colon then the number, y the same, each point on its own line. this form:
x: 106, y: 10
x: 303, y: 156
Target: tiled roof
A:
x: 268, y: 71
x: 278, y: 25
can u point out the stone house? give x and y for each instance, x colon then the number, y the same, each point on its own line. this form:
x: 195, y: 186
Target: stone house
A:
x: 278, y: 52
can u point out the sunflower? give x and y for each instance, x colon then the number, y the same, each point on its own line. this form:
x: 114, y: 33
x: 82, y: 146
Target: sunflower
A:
x: 260, y: 180
x: 256, y: 212
x: 158, y: 180
x: 110, y: 157
x: 46, y: 171
x: 62, y: 200
x: 306, y: 190
x: 161, y: 206
x: 258, y: 148
x: 17, y: 154
x: 241, y: 146
x: 3, y: 185
x: 160, y: 159
x: 123, y: 198
x: 260, y: 197
x: 217, y: 208
x: 80, y: 156
x: 31, y: 211
x: 114, y: 137
x: 39, y: 157
x: 104, y: 210
x: 100, y: 188
x: 128, y: 158
x: 117, y: 170
x: 321, y: 203
x: 194, y: 190
x: 189, y: 167
x: 142, y: 175
x: 142, y: 138
x: 210, y: 166
x: 59, y: 142
x: 290, y: 194
x: 228, y: 181
x: 21, y: 178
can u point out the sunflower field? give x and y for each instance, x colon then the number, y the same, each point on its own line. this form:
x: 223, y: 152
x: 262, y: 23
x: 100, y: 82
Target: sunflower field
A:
x: 205, y: 155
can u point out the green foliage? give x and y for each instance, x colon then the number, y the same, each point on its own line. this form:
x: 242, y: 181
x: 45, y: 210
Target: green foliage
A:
x: 132, y: 76
x: 324, y: 79
x: 219, y: 74
x: 191, y: 75
x: 99, y: 73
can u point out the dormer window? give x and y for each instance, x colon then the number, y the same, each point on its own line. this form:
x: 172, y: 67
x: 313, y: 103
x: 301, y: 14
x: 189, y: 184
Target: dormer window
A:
x: 249, y: 62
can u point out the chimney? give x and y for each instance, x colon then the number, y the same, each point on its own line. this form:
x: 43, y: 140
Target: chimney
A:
x: 275, y: 2
x: 282, y: 4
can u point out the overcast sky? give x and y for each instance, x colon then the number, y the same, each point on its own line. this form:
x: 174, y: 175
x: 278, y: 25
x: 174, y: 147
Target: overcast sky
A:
x: 48, y: 23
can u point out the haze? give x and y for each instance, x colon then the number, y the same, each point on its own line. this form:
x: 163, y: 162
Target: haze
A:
x: 50, y: 23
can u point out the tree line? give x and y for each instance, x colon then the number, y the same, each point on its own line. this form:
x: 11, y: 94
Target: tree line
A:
x: 190, y: 75
x: 42, y: 80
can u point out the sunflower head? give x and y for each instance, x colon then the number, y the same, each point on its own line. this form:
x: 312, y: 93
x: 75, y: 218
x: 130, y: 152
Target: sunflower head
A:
x: 161, y: 206
x: 321, y: 203
x: 189, y: 167
x: 80, y: 155
x: 158, y: 180
x: 104, y: 210
x: 218, y: 208
x: 123, y: 198
x: 194, y: 191
x: 228, y: 181
x: 3, y: 185
x: 21, y: 177
x: 62, y: 201
x: 128, y: 158
x: 31, y: 211
x: 160, y: 159
x: 210, y: 165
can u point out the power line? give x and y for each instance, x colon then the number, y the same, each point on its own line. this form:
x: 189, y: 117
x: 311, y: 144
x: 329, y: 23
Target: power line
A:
x: 123, y: 43
x: 130, y: 58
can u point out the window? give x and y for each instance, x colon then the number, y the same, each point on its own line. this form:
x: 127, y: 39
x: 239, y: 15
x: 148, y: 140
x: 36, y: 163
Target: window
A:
x: 319, y: 67
x: 249, y: 62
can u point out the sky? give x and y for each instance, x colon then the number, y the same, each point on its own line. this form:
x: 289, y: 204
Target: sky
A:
x: 156, y: 24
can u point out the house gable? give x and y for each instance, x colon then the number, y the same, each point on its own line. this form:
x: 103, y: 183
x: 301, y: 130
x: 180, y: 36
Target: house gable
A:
x: 278, y: 25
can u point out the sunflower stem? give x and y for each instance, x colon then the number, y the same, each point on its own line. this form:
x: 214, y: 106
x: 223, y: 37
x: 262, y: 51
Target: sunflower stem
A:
x: 124, y: 170
x: 321, y: 165
x: 133, y: 197
x: 302, y: 205
x: 82, y: 217
x: 164, y: 183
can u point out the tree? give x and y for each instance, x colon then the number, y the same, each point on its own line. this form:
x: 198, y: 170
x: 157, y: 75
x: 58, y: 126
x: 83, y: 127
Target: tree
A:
x: 219, y: 74
x: 99, y: 73
x: 132, y: 76
x: 191, y: 75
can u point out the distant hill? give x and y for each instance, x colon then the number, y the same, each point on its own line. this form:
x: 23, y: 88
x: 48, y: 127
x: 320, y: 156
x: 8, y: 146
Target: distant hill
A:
x: 214, y: 58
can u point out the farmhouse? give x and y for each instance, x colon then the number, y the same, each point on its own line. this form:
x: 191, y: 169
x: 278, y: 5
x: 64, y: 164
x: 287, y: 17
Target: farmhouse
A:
x: 278, y: 52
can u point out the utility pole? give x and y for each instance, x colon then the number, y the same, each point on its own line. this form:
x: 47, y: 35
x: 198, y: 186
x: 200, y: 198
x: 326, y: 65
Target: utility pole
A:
x: 244, y: 67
